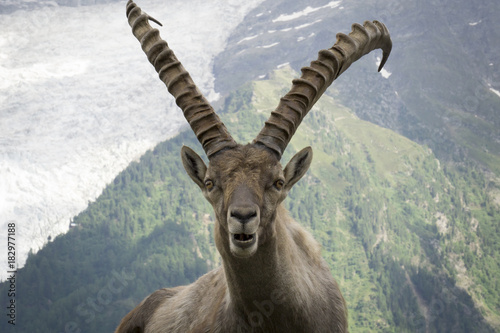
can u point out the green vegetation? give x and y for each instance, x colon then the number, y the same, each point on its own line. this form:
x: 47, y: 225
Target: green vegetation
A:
x: 412, y: 242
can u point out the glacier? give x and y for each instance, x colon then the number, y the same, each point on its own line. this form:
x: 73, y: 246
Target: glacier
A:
x: 79, y: 102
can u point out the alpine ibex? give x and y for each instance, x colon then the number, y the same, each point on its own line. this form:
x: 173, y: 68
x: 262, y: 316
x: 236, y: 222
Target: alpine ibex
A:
x: 272, y: 278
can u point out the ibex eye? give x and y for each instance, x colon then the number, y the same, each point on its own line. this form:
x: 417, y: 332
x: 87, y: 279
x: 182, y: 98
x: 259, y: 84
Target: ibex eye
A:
x: 209, y: 184
x: 279, y: 184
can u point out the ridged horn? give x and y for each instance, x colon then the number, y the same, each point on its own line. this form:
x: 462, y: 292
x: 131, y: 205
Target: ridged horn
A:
x: 316, y: 78
x: 200, y: 115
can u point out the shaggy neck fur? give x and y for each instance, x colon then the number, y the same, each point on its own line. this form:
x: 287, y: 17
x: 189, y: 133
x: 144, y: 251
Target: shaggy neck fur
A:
x: 276, y: 283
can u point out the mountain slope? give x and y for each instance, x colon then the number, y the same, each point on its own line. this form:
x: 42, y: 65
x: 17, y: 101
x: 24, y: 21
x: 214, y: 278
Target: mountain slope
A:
x: 442, y: 86
x: 411, y: 243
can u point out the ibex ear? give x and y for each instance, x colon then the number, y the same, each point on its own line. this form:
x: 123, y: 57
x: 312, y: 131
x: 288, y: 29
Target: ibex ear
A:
x: 297, y: 167
x: 194, y: 165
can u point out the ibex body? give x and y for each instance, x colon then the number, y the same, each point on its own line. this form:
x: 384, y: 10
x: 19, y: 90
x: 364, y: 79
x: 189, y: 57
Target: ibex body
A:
x: 272, y: 278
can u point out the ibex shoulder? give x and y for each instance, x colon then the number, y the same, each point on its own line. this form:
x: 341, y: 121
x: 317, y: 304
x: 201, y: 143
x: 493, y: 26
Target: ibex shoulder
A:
x: 135, y: 321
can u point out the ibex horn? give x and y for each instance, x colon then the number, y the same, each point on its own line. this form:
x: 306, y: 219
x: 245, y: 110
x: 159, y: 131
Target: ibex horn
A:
x: 205, y: 123
x: 316, y: 78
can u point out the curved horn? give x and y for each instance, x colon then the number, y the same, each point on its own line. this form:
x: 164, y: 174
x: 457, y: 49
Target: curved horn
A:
x: 205, y: 123
x: 293, y: 107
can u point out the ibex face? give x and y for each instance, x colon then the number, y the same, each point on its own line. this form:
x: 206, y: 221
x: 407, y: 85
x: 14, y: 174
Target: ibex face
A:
x: 245, y: 185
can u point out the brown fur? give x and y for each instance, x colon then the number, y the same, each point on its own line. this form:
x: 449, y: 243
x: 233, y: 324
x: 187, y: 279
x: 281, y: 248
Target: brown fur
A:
x: 284, y: 286
x: 135, y: 321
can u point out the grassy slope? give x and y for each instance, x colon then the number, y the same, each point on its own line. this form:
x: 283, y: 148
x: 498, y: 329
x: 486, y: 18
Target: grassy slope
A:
x: 400, y: 195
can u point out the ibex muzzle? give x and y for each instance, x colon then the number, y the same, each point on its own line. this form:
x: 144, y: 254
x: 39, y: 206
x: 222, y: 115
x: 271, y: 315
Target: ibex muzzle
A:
x: 243, y: 219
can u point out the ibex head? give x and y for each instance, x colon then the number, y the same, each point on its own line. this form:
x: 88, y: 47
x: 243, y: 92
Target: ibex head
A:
x: 246, y: 183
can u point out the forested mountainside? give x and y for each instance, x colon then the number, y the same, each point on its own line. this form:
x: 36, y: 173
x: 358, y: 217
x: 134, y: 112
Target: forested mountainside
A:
x: 411, y: 240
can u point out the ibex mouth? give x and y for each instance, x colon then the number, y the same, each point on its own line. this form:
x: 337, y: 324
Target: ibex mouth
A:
x: 243, y: 237
x: 244, y: 241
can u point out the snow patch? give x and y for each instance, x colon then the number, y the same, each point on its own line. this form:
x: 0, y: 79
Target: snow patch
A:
x: 306, y: 11
x: 247, y: 39
x: 496, y: 92
x: 384, y: 72
x: 300, y: 39
x: 307, y: 25
x: 267, y: 46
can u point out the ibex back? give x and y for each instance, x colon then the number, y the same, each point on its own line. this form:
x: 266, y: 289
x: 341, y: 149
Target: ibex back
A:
x: 272, y: 278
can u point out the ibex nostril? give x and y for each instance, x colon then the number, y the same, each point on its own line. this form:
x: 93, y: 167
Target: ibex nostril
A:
x: 243, y: 216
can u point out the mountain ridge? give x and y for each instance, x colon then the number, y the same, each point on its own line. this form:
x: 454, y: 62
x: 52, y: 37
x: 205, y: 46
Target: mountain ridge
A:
x: 444, y: 67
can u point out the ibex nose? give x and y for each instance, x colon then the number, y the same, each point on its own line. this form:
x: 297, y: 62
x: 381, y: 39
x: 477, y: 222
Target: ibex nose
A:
x: 243, y: 214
